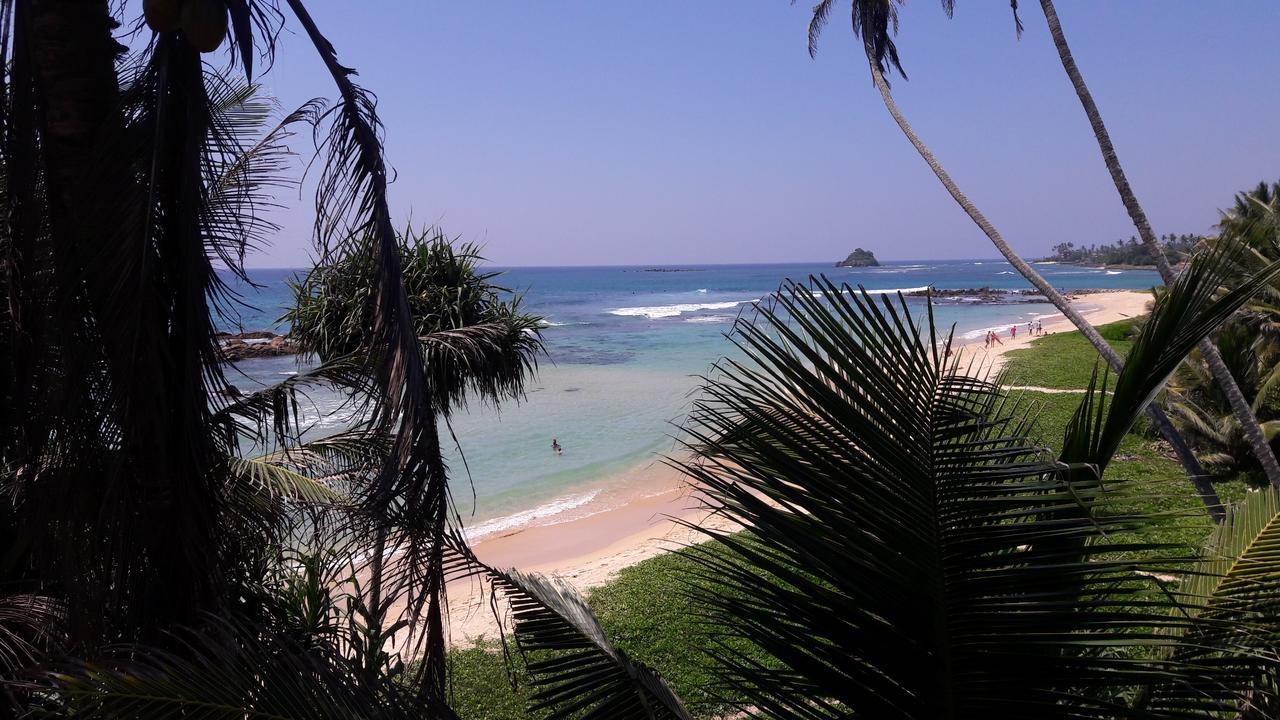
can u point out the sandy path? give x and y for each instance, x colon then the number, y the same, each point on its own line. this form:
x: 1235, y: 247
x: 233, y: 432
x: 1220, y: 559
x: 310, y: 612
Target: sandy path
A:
x: 589, y: 551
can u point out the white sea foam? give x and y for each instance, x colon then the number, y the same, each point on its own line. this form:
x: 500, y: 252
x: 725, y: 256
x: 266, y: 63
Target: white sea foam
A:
x: 702, y: 290
x: 887, y: 291
x: 665, y: 311
x: 872, y: 291
x: 1003, y: 330
x: 1005, y: 272
x: 524, y: 518
x: 710, y: 319
x: 982, y: 332
x: 1114, y: 272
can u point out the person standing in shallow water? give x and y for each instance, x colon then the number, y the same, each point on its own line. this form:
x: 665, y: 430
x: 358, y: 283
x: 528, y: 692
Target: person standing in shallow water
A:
x: 555, y: 445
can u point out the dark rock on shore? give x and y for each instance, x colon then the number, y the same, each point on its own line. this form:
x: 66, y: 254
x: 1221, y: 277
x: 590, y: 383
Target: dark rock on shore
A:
x: 256, y: 344
x: 979, y: 295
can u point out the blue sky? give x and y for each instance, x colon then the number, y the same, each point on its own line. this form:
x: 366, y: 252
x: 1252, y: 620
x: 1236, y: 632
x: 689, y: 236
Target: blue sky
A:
x: 683, y: 131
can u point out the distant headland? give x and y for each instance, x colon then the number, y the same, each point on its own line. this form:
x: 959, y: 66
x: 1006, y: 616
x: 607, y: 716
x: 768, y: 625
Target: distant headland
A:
x: 859, y: 258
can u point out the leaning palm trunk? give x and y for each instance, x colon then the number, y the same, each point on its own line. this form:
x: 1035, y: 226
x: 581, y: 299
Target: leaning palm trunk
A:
x: 1188, y: 459
x: 1239, y: 405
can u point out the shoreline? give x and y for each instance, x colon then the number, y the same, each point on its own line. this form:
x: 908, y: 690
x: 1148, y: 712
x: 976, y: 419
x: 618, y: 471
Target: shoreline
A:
x: 642, y: 512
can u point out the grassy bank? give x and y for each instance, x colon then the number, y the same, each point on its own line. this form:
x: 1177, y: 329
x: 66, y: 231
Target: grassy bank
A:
x: 647, y: 611
x: 1065, y: 360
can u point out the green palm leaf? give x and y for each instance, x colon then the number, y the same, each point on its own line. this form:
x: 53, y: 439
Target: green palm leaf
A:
x: 1192, y: 308
x: 1232, y: 597
x: 913, y: 554
x: 256, y: 475
x: 579, y: 673
x: 229, y: 671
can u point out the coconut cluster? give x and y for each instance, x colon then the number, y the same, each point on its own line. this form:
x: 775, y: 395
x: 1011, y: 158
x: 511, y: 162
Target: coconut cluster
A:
x: 202, y: 22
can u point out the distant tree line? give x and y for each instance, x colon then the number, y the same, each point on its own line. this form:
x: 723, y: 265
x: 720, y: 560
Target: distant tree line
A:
x: 1126, y: 252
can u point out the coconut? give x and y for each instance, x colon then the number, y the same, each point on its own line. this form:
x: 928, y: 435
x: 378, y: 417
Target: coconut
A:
x: 162, y: 15
x: 204, y: 22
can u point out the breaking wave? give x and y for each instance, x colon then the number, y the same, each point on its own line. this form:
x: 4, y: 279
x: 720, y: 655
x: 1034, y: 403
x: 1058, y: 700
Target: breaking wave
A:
x: 654, y: 312
x: 527, y: 517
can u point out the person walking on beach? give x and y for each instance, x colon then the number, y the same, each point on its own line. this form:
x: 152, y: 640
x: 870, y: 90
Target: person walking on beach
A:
x: 1039, y: 328
x: 993, y: 337
x: 1013, y: 331
x: 555, y: 445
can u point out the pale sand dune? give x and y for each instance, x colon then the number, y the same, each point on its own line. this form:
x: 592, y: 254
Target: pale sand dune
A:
x: 590, y: 551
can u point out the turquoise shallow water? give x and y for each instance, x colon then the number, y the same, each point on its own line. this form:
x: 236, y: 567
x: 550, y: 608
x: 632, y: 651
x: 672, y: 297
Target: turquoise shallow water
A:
x: 624, y: 347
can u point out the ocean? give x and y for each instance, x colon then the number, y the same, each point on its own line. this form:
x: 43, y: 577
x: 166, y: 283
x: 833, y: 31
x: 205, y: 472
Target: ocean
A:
x: 625, y: 347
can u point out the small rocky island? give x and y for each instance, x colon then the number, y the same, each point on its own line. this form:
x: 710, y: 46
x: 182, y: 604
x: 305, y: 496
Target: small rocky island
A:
x: 859, y: 258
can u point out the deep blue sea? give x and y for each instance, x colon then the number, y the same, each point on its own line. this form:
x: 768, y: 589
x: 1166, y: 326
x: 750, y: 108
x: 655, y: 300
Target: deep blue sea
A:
x: 624, y: 348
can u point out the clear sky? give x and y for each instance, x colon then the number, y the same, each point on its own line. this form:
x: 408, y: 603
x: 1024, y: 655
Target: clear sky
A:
x: 687, y: 131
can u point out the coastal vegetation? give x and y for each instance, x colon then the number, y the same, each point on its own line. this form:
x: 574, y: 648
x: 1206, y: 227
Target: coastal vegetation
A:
x: 1244, y: 415
x: 1125, y: 252
x: 875, y: 23
x: 810, y: 597
x: 1249, y: 345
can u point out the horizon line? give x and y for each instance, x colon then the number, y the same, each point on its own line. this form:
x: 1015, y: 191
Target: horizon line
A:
x: 680, y: 265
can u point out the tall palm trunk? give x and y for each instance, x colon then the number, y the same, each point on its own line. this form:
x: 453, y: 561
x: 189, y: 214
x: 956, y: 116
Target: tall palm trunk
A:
x: 1239, y: 405
x: 1198, y: 477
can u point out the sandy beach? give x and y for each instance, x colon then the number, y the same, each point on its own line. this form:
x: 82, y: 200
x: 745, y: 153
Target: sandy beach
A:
x: 645, y: 519
x: 1099, y: 308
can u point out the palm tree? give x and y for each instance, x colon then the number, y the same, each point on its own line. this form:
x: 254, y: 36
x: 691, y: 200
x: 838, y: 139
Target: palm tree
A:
x: 477, y: 345
x: 912, y: 553
x: 1249, y: 343
x: 1244, y: 414
x: 871, y: 20
x: 131, y: 185
x: 1201, y: 412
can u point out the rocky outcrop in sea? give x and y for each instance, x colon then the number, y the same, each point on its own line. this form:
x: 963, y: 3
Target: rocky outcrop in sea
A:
x: 256, y: 344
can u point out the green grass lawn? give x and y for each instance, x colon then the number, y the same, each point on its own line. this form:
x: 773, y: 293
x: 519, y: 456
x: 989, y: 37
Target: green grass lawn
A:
x: 1065, y: 359
x: 647, y: 611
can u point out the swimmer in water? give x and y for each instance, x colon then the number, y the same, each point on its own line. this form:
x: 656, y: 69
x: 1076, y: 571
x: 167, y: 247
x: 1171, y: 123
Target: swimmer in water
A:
x: 555, y: 445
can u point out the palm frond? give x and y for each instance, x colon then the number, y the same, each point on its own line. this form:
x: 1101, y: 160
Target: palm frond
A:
x: 409, y: 496
x: 1233, y: 598
x: 255, y: 24
x: 911, y: 552
x: 278, y: 481
x: 273, y: 414
x: 873, y: 21
x: 31, y: 629
x: 585, y: 675
x: 247, y: 179
x: 232, y: 671
x: 320, y: 471
x: 487, y: 361
x: 579, y: 673
x: 1191, y: 308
